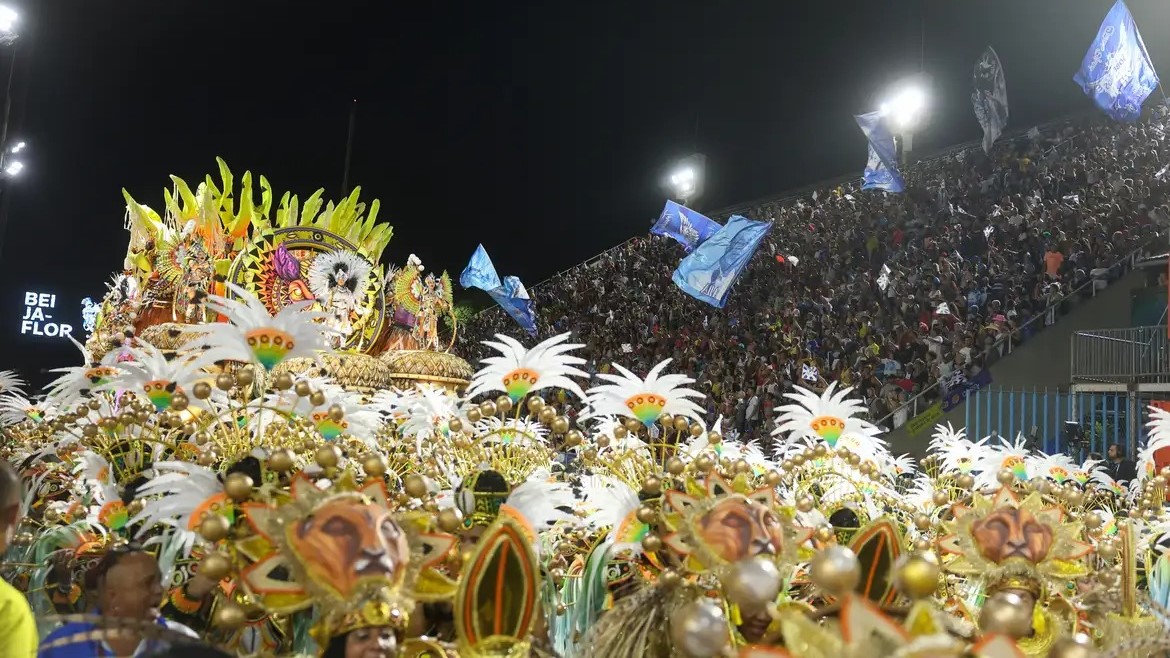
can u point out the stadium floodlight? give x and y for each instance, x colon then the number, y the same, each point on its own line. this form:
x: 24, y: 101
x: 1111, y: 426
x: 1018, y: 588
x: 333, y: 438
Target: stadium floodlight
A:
x: 684, y: 180
x: 18, y: 147
x: 8, y: 20
x: 905, y: 108
x: 14, y: 168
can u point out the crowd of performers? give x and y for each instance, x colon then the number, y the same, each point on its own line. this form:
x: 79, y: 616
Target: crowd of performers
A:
x: 239, y: 487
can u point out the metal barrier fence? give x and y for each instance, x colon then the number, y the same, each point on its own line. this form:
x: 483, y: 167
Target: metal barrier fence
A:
x: 1134, y: 354
x: 1102, y: 418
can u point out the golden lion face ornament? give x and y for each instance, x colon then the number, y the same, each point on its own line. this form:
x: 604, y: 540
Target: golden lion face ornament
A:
x: 346, y: 543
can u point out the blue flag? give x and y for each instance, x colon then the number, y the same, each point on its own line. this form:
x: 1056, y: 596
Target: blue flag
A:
x: 688, y: 227
x: 510, y: 294
x: 515, y: 300
x: 1117, y: 72
x: 881, y: 169
x: 710, y: 271
x: 480, y: 273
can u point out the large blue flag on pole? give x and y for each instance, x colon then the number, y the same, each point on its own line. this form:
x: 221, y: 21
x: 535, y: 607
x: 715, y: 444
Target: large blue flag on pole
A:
x: 711, y: 269
x: 688, y: 227
x: 509, y: 294
x: 1117, y: 72
x: 881, y: 169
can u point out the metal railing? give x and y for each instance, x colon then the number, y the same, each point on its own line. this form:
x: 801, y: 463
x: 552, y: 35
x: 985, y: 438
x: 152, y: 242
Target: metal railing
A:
x: 1120, y: 355
x: 1004, y: 346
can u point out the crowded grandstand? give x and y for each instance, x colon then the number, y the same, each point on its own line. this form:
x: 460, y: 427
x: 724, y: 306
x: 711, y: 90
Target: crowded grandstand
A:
x: 894, y: 295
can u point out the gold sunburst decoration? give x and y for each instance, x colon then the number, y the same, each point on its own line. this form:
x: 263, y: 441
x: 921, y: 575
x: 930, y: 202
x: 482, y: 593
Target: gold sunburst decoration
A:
x: 1015, y: 543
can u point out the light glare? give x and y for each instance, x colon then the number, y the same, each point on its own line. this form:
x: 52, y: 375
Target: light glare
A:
x: 14, y: 168
x: 8, y: 19
x: 905, y: 107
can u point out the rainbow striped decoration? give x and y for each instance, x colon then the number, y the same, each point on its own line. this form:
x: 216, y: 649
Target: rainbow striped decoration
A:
x: 113, y: 515
x: 1059, y: 474
x: 829, y: 428
x: 519, y: 382
x: 269, y: 345
x: 160, y: 392
x: 1016, y: 465
x: 100, y: 375
x: 646, y: 407
x: 330, y: 429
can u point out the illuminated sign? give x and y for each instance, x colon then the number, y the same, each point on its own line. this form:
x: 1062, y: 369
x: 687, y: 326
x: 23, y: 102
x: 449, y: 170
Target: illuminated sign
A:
x: 38, y: 321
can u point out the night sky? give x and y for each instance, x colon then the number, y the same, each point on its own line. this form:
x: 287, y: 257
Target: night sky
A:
x: 541, y: 129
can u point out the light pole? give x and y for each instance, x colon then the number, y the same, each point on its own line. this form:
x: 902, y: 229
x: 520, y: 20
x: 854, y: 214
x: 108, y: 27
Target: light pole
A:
x: 9, y: 19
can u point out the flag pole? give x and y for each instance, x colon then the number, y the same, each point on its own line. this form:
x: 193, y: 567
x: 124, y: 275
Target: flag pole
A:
x: 348, y: 149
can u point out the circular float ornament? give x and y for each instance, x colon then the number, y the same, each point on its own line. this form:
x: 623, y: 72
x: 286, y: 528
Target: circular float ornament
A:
x: 276, y: 267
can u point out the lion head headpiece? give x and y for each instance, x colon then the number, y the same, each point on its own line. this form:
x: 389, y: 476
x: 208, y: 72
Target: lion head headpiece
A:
x: 1014, y: 543
x: 342, y: 549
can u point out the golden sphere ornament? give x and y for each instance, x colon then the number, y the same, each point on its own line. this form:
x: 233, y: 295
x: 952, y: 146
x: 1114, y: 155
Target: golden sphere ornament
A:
x: 633, y: 425
x: 215, y: 566
x: 546, y: 416
x: 179, y: 401
x: 917, y: 576
x: 455, y: 425
x: 450, y: 519
x: 1005, y: 477
x: 669, y: 578
x: 336, y: 413
x: 317, y: 398
x: 835, y: 570
x: 487, y: 408
x: 696, y: 429
x: 652, y: 486
x: 666, y: 421
x: 682, y: 424
x: 328, y: 456
x: 752, y: 583
x: 965, y: 481
x: 230, y: 616
x: 941, y: 498
x: 280, y: 461
x: 201, y: 390
x: 700, y: 629
x: 245, y: 377
x: 619, y: 432
x: 560, y: 425
x: 573, y: 438
x: 282, y: 382
x: 535, y: 404
x: 647, y: 514
x: 374, y: 466
x: 473, y: 415
x: 714, y: 438
x: 214, y: 527
x: 922, y: 522
x: 1093, y: 520
x: 503, y: 404
x: 415, y: 486
x: 238, y: 486
x: 224, y: 381
x: 805, y: 504
x: 704, y: 464
x: 651, y: 543
x: 302, y: 389
x: 1073, y: 646
x: 1007, y: 613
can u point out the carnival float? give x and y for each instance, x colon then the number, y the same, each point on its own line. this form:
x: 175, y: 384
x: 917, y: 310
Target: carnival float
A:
x: 276, y: 417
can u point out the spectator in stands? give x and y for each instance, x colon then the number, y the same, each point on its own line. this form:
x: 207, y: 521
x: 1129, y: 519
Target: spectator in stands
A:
x: 18, y: 631
x: 981, y: 250
x: 1120, y: 468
